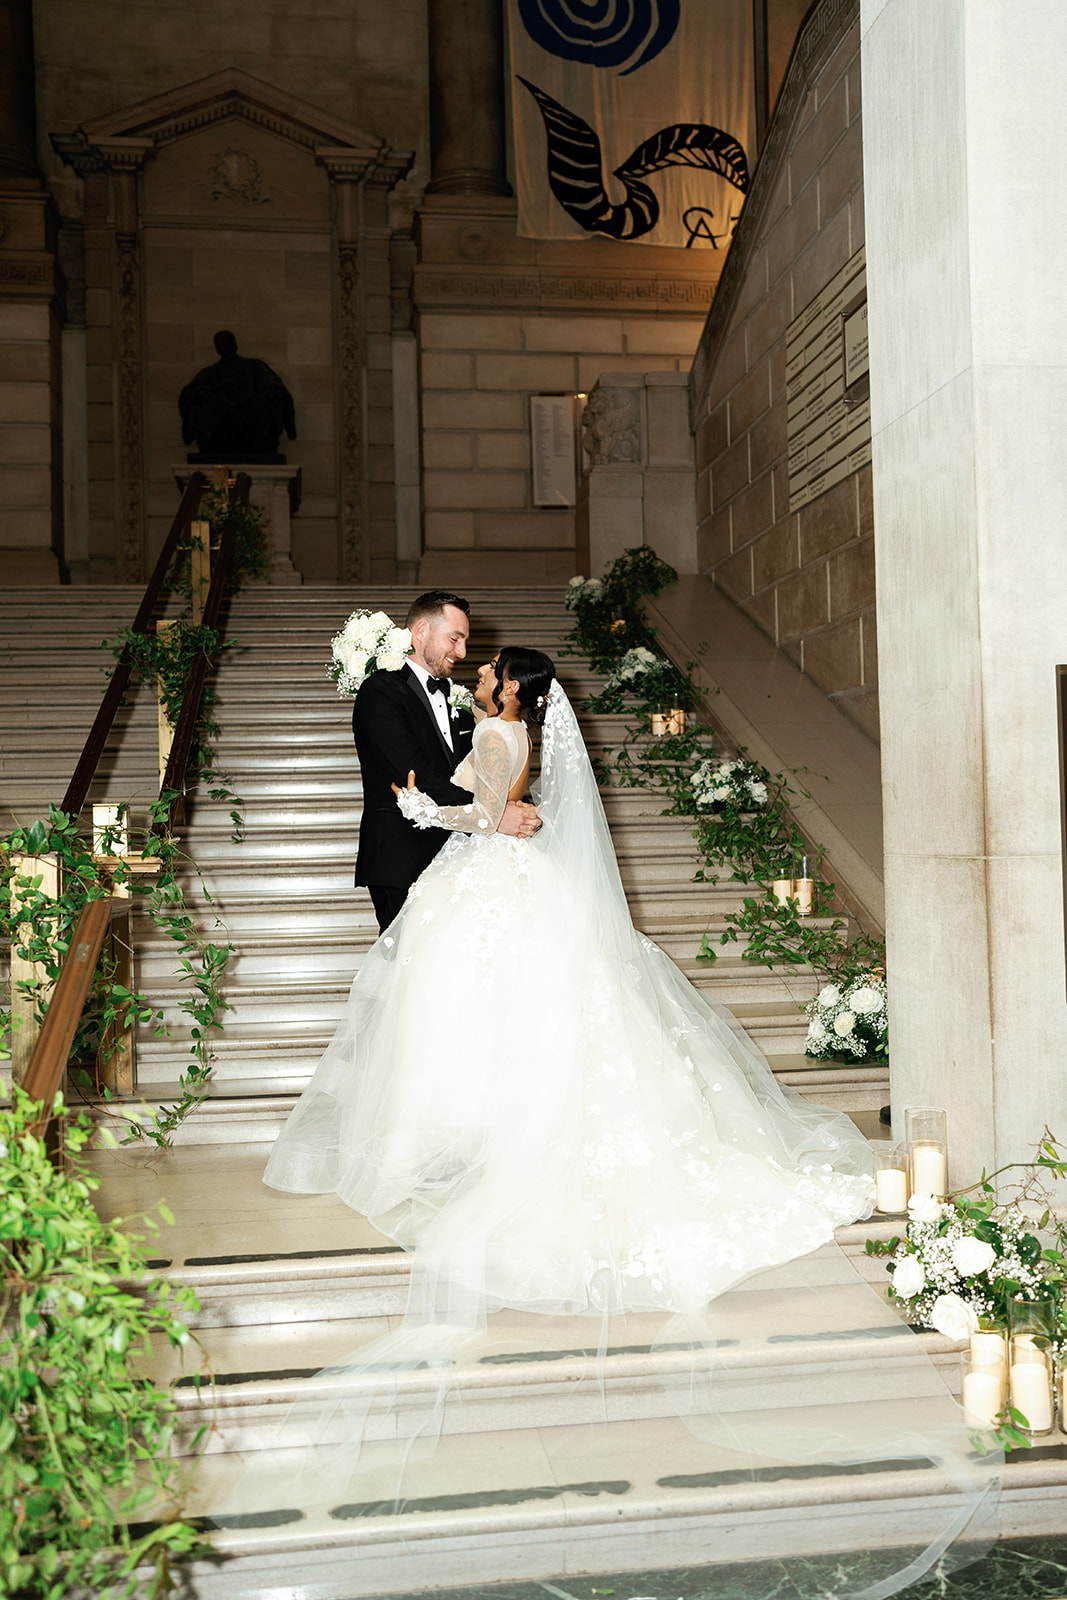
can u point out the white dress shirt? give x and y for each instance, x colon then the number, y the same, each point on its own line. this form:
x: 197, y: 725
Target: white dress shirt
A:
x: 438, y: 702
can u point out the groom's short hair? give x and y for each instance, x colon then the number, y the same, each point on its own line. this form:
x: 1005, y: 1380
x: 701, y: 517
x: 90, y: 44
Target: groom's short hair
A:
x: 433, y: 603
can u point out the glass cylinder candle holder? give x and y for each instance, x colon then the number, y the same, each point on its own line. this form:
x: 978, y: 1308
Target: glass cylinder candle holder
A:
x: 1061, y: 1393
x: 981, y: 1391
x: 676, y: 719
x: 660, y: 724
x: 803, y: 887
x: 782, y: 889
x: 1031, y: 1365
x: 925, y: 1133
x: 1031, y: 1384
x: 989, y: 1348
x: 891, y: 1181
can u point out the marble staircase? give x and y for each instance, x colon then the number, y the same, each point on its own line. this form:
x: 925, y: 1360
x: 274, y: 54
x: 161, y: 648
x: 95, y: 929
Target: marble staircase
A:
x: 284, y: 894
x: 289, y: 1284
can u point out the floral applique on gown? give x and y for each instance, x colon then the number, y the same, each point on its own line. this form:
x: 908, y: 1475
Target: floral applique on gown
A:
x: 525, y: 1088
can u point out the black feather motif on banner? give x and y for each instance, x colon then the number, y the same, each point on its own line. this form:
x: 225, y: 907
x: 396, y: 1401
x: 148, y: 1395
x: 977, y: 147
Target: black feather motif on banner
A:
x: 576, y: 171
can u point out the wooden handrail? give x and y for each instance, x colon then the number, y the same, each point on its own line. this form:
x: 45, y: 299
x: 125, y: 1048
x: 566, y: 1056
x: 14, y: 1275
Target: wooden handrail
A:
x: 49, y: 1059
x: 85, y: 771
x: 185, y: 728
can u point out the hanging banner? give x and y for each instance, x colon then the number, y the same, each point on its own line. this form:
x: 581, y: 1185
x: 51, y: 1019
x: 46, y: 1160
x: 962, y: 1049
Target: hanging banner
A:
x: 632, y: 119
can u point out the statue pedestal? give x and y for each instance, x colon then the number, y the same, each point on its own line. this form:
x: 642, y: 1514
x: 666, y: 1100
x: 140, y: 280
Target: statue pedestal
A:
x: 275, y: 492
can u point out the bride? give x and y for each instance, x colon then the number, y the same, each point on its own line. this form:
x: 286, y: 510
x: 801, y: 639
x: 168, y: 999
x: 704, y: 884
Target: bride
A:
x: 527, y: 1095
x: 528, y: 1090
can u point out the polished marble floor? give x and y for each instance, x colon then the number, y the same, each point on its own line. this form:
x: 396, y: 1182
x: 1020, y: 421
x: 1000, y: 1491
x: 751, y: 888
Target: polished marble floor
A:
x: 1015, y: 1569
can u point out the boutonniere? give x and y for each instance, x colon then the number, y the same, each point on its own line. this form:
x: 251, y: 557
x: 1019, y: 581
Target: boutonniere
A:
x: 459, y: 699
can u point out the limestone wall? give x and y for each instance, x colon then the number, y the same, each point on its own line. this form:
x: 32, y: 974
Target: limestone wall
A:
x: 500, y: 318
x: 806, y: 578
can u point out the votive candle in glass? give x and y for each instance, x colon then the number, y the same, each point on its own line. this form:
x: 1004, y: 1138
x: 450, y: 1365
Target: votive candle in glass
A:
x: 782, y: 889
x: 890, y: 1181
x: 926, y: 1139
x: 981, y: 1390
x: 1031, y: 1384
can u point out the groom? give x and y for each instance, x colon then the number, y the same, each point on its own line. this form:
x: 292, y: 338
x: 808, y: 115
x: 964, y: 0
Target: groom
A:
x: 402, y: 722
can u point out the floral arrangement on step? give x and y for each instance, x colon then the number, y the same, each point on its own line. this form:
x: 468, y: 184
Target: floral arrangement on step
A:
x: 963, y: 1262
x: 849, y: 1021
x: 738, y: 783
x: 742, y: 834
x: 369, y: 642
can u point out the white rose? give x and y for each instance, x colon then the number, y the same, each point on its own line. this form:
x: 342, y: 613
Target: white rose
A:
x: 397, y: 641
x: 355, y: 629
x: 865, y: 1001
x: 829, y: 994
x: 924, y: 1208
x: 379, y: 622
x: 594, y: 588
x: 720, y: 792
x: 3, y: 1150
x: 355, y: 662
x: 953, y: 1317
x: 972, y: 1255
x: 816, y: 1031
x: 844, y: 1023
x: 757, y: 790
x: 908, y: 1277
x: 575, y: 583
x: 390, y: 661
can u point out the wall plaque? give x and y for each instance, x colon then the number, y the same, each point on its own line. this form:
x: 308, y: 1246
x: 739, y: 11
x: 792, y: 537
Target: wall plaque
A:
x: 828, y: 386
x: 553, y: 449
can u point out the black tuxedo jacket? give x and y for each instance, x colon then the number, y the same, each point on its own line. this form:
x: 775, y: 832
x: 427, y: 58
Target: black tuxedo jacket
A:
x: 396, y: 733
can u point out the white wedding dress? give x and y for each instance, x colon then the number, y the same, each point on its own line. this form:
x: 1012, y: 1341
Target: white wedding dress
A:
x: 526, y: 1094
x: 526, y: 1091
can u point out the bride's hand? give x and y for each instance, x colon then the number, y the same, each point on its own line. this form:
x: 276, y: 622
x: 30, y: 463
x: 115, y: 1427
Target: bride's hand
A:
x: 410, y: 783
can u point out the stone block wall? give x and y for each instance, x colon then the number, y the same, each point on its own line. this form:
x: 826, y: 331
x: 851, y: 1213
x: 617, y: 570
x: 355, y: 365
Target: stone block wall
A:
x: 806, y: 578
x: 500, y: 318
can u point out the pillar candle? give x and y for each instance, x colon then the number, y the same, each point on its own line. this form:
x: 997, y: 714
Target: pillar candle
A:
x: 981, y: 1394
x: 782, y: 889
x: 1031, y: 1394
x: 929, y: 1170
x: 890, y: 1189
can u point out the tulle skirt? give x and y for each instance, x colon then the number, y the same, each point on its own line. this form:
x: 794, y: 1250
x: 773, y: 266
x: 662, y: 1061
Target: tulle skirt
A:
x: 598, y: 1177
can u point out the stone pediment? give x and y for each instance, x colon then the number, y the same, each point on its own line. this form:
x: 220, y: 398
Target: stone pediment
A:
x: 126, y: 137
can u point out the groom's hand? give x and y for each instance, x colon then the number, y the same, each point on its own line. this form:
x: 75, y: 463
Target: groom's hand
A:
x: 520, y: 820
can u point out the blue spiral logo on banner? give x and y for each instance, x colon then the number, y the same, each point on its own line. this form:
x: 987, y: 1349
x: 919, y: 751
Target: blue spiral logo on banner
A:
x: 602, y: 33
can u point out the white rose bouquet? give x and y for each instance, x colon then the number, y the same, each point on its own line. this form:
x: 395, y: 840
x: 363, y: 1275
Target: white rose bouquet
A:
x: 740, y: 784
x: 849, y: 1021
x: 368, y: 642
x: 583, y: 590
x: 959, y: 1264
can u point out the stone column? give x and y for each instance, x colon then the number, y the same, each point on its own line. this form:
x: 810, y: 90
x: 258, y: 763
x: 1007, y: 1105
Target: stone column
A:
x: 969, y: 406
x: 31, y: 497
x: 467, y: 97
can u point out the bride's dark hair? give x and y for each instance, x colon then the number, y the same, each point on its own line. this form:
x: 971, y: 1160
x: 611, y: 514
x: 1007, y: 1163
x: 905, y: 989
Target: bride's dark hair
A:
x: 533, y: 671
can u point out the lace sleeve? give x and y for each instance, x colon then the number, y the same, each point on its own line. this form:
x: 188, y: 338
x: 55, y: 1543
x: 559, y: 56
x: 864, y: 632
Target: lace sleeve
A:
x: 492, y: 780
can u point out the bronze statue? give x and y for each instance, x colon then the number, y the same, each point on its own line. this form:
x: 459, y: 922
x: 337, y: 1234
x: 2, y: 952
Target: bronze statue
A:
x: 236, y: 409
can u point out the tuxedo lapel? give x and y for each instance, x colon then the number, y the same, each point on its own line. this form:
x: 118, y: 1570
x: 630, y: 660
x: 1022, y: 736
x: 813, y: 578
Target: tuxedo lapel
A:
x: 414, y: 687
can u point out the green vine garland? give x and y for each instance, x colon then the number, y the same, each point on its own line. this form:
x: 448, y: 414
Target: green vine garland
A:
x: 754, y: 842
x: 40, y: 927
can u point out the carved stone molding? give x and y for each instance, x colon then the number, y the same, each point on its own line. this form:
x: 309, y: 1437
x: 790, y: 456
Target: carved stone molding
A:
x: 35, y: 274
x: 350, y: 371
x: 611, y: 425
x: 686, y: 295
x: 130, y: 452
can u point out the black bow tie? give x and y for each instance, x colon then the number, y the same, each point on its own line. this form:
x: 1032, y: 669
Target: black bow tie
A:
x: 438, y: 686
